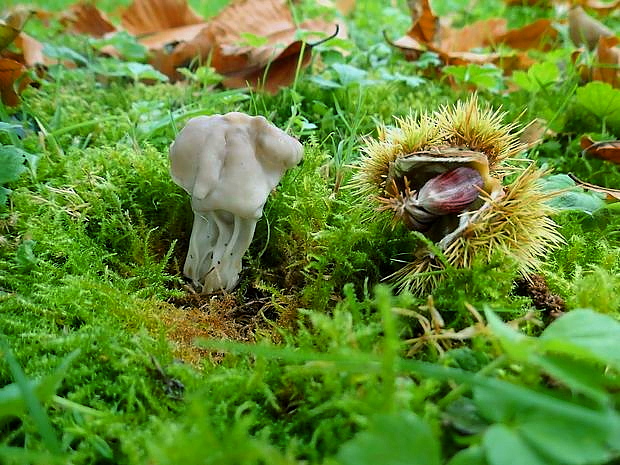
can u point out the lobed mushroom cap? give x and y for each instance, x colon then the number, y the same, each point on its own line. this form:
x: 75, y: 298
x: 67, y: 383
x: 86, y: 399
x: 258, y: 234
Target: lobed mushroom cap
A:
x: 231, y: 162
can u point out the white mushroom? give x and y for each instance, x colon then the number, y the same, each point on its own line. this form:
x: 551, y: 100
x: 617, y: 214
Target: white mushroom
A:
x: 228, y: 164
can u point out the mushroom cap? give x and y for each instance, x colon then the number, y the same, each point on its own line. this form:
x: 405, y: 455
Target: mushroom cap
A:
x: 231, y: 162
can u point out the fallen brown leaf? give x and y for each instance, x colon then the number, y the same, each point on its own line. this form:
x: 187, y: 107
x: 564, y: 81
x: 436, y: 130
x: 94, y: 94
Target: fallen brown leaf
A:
x: 585, y: 30
x: 269, y: 66
x: 151, y: 16
x: 425, y: 25
x: 32, y: 50
x: 612, y: 194
x: 476, y: 35
x: 606, y: 150
x: 13, y: 79
x: 538, y: 35
x: 607, y: 66
x: 85, y: 18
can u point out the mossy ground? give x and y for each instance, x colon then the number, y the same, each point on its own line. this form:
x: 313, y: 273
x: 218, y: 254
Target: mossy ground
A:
x: 92, y: 245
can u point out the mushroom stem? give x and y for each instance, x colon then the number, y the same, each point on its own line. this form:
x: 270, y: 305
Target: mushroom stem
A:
x: 216, y: 247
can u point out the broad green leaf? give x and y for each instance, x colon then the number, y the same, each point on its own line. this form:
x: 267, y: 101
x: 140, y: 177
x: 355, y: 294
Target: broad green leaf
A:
x: 578, y: 375
x: 569, y: 443
x: 4, y: 195
x: 597, y: 431
x: 64, y: 53
x: 24, y: 256
x: 392, y: 439
x: 348, y: 74
x: 515, y: 343
x: 126, y: 44
x: 571, y: 196
x: 12, y: 401
x: 601, y: 99
x: 473, y: 455
x: 585, y: 333
x: 12, y: 163
x: 504, y: 446
x: 11, y: 128
x: 485, y: 76
x: 538, y: 77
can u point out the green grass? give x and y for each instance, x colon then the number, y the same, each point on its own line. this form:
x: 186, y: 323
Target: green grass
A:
x: 107, y: 358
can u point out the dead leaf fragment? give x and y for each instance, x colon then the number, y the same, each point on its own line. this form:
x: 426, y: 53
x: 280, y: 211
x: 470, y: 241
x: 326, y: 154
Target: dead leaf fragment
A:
x: 605, y: 150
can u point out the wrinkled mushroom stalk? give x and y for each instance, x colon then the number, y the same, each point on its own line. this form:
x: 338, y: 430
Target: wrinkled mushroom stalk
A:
x: 216, y: 248
x: 228, y: 164
x: 442, y: 175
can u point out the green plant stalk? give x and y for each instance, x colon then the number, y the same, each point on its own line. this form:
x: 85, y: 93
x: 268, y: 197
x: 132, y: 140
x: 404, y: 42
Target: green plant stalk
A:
x: 34, y: 406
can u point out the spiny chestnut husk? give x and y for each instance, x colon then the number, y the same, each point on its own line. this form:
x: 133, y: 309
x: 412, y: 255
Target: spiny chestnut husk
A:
x: 443, y: 175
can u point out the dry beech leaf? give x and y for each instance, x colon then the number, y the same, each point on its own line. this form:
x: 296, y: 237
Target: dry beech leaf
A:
x: 585, y: 30
x: 151, y: 16
x: 13, y: 79
x: 425, y: 23
x: 606, y: 150
x: 279, y: 73
x: 32, y: 50
x: 86, y: 18
x: 538, y: 35
x: 479, y: 34
x: 454, y: 46
x: 607, y: 66
x: 612, y: 194
x: 270, y: 66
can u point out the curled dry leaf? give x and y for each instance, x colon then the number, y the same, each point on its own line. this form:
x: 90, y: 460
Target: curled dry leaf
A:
x: 612, y: 194
x: 606, y: 150
x: 585, y: 30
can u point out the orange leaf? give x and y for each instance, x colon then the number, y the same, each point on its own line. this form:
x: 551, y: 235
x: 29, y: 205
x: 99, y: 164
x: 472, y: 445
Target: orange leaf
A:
x: 31, y: 48
x: 539, y: 35
x: 479, y: 34
x: 149, y: 16
x: 280, y: 54
x: 612, y: 194
x: 605, y: 150
x: 607, y: 67
x: 85, y: 18
x: 12, y: 80
x: 160, y: 39
x: 425, y: 23
x: 276, y: 74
